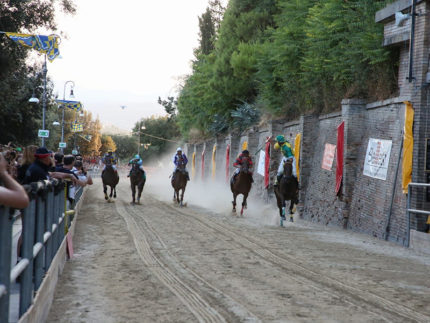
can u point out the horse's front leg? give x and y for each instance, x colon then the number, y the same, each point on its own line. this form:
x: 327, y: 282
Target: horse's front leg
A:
x: 139, y: 193
x: 133, y: 193
x: 182, y: 196
x: 291, y: 210
x: 245, y: 196
x: 105, y: 192
x: 177, y: 196
x: 234, y: 202
x: 114, y: 192
x: 111, y: 192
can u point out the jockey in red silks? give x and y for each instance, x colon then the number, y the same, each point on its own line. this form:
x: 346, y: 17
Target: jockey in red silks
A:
x: 239, y: 162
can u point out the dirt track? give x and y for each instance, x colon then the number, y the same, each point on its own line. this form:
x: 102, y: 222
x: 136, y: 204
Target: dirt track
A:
x: 159, y: 263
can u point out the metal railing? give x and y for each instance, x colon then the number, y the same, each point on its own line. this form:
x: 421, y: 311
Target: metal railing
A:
x: 415, y: 211
x: 44, y: 225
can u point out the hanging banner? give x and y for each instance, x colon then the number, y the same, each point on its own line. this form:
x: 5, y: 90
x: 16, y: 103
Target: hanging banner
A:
x: 227, y: 164
x: 44, y: 44
x: 328, y: 157
x: 377, y: 158
x: 203, y: 164
x: 267, y: 164
x: 77, y: 127
x: 408, y: 145
x: 339, y: 156
x: 245, y: 145
x: 297, y: 154
x: 193, y: 166
x: 213, y: 161
x: 74, y: 105
x: 261, y: 163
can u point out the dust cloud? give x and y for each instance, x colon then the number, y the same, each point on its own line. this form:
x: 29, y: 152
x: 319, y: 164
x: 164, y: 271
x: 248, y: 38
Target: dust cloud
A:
x: 211, y: 194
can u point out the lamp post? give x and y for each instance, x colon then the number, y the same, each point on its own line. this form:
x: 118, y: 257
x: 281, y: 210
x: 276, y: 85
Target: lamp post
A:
x: 33, y: 99
x: 141, y: 127
x: 64, y: 98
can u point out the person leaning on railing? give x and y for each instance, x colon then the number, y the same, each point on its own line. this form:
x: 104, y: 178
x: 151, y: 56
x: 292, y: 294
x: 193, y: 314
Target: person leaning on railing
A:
x: 12, y: 194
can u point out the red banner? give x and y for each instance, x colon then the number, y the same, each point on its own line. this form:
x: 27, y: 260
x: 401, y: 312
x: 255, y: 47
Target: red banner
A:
x: 227, y: 163
x: 339, y: 156
x: 267, y: 164
x: 203, y: 165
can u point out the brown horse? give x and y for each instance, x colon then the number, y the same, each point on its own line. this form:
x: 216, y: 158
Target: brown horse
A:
x: 241, y: 184
x: 179, y: 182
x: 287, y: 190
x: 137, y: 179
x: 110, y: 178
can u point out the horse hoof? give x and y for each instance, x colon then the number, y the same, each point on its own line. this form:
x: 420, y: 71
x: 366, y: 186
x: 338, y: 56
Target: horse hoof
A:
x: 106, y: 198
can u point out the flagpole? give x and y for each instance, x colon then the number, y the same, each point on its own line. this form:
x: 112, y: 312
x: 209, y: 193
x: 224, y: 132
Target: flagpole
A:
x: 45, y: 71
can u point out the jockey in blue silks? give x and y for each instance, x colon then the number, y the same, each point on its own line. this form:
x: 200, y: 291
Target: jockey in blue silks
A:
x: 109, y: 159
x: 180, y: 158
x: 136, y: 160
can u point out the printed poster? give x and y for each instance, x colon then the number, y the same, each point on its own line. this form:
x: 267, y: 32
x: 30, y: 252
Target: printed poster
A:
x: 261, y: 163
x: 329, y: 152
x: 377, y: 158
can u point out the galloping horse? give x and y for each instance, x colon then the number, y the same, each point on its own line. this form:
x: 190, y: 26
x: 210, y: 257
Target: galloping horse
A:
x: 242, y: 184
x: 179, y: 182
x: 137, y: 178
x: 287, y: 190
x: 111, y: 178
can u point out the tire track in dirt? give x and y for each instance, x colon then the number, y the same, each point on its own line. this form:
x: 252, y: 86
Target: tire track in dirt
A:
x: 239, y: 309
x: 190, y: 298
x: 358, y: 297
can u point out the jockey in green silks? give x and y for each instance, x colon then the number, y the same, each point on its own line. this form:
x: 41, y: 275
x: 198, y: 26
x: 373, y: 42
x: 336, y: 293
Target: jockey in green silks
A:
x: 136, y: 160
x: 287, y: 154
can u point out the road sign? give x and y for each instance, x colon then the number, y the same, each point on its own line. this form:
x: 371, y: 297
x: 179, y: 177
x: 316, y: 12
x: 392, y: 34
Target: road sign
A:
x: 74, y: 152
x: 62, y: 145
x: 43, y: 133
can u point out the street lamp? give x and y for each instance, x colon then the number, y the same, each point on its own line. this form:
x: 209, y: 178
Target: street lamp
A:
x: 64, y: 98
x: 141, y: 127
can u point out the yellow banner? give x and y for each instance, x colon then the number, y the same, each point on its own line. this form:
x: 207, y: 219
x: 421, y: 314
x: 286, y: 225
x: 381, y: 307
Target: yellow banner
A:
x: 245, y: 145
x: 408, y: 145
x: 193, y: 168
x: 213, y: 162
x: 297, y: 153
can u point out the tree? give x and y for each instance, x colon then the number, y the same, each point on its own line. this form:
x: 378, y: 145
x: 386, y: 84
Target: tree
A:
x: 207, y: 32
x: 170, y: 105
x: 19, y: 120
x: 107, y: 144
x: 126, y: 146
x: 159, y: 135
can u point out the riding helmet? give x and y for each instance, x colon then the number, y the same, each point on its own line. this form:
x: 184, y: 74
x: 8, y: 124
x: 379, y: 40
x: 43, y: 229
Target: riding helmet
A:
x: 280, y: 138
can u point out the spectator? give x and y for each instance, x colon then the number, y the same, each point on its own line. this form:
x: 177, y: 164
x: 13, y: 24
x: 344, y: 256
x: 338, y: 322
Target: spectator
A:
x: 82, y: 173
x: 69, y: 161
x: 12, y: 194
x: 39, y: 169
x: 27, y: 159
x: 58, y: 160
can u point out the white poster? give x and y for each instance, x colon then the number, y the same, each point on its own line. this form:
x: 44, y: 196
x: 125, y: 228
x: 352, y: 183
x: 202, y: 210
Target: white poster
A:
x: 261, y: 163
x: 377, y: 158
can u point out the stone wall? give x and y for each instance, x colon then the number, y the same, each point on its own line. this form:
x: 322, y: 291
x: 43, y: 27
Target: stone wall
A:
x: 364, y: 203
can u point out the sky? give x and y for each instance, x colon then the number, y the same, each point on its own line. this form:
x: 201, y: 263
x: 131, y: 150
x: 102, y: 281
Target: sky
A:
x: 126, y: 53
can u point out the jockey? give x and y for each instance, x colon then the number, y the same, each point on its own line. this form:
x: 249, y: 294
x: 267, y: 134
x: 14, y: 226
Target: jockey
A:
x: 287, y: 154
x: 177, y: 158
x: 136, y: 160
x: 109, y: 159
x: 238, y: 163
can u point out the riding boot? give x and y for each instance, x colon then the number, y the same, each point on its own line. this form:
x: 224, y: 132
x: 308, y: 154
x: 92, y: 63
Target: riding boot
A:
x: 188, y: 177
x: 252, y: 179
